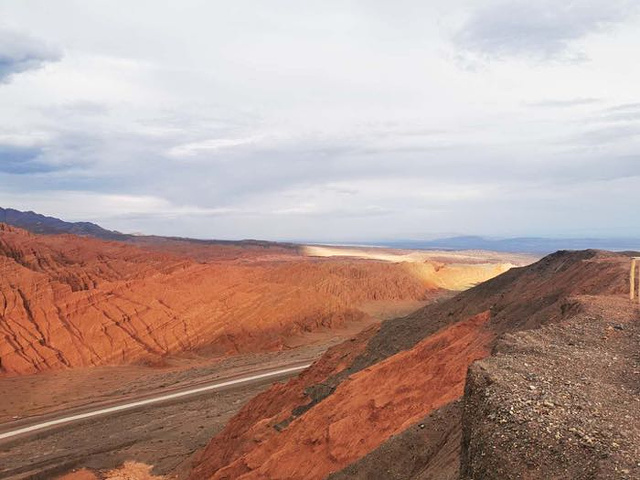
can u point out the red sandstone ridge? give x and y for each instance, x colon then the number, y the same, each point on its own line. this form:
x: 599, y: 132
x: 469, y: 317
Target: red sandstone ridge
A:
x: 364, y: 410
x: 71, y: 301
x: 410, y: 369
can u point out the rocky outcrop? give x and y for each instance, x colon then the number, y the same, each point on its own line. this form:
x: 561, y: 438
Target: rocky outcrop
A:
x: 403, y: 372
x: 361, y: 412
x: 560, y: 402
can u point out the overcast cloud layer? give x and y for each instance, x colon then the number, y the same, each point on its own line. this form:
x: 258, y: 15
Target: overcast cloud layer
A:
x: 336, y: 120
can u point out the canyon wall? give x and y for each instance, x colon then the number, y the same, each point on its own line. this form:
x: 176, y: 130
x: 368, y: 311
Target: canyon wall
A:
x: 68, y: 301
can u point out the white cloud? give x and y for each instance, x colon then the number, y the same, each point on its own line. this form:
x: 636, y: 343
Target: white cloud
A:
x: 20, y: 52
x: 212, y: 145
x: 333, y: 120
x: 543, y: 29
x: 83, y: 205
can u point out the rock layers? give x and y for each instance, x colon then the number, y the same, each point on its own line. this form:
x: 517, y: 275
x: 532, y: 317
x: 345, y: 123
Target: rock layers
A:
x: 68, y: 301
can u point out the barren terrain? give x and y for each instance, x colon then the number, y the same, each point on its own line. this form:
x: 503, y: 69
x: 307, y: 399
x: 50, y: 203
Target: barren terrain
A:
x: 504, y: 380
x: 559, y: 402
x: 88, y: 323
x: 348, y: 409
x: 164, y: 435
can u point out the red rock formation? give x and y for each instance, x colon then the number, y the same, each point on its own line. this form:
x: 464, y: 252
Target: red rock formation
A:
x: 363, y: 412
x: 255, y: 424
x: 68, y: 301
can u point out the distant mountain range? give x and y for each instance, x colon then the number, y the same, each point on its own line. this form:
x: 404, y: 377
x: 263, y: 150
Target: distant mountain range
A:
x: 42, y: 224
x: 37, y: 223
x: 519, y: 244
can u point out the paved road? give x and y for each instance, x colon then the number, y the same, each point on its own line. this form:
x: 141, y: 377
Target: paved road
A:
x: 61, y: 418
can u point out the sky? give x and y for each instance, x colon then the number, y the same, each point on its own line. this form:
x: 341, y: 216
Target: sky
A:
x: 340, y: 120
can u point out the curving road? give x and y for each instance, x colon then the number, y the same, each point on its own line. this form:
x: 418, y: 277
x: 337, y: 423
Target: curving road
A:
x: 65, y: 419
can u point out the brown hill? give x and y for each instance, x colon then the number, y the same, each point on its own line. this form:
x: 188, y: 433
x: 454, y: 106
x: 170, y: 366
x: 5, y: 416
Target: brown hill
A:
x: 355, y: 404
x: 72, y: 301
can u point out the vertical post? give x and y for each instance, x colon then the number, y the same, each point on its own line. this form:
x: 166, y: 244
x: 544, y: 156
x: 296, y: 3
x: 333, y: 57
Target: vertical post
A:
x: 638, y: 276
x: 632, y: 279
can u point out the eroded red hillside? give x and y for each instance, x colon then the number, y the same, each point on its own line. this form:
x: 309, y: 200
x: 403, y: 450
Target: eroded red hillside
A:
x: 69, y: 301
x: 364, y: 410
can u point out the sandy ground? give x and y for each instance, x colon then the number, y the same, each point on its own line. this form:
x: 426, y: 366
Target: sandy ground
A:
x: 419, y: 256
x: 34, y: 395
x: 383, y: 310
x: 449, y: 270
x: 128, y: 471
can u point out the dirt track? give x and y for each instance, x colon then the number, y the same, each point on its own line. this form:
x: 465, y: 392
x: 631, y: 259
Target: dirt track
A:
x: 164, y: 435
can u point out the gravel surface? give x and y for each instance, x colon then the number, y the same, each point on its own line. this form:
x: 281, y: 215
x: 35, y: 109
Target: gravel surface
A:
x: 562, y: 401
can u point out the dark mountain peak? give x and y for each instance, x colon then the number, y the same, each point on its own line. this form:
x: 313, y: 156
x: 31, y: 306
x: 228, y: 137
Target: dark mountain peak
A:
x: 42, y: 224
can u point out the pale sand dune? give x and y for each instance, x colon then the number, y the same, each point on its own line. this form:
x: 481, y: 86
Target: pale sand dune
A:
x: 398, y: 255
x: 458, y: 276
x: 450, y: 270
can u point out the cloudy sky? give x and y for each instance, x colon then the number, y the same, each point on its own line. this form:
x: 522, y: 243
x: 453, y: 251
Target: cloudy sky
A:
x: 339, y: 120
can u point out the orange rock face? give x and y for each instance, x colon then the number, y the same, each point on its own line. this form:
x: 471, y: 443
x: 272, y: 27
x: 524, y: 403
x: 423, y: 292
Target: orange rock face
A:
x: 364, y: 411
x: 256, y: 421
x: 67, y: 301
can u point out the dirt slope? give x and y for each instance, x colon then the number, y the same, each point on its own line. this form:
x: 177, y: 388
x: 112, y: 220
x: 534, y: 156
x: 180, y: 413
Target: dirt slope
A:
x: 428, y: 450
x: 367, y: 409
x: 402, y: 373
